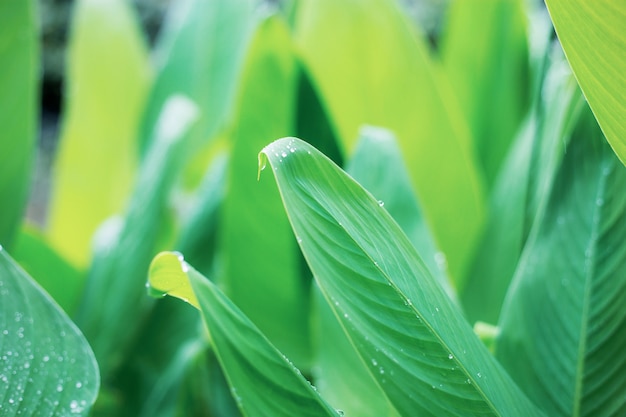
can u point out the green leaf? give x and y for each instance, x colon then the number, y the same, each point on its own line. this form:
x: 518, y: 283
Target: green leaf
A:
x: 200, y: 54
x: 57, y: 277
x: 412, y: 338
x: 46, y: 366
x: 373, y: 69
x: 258, y: 250
x: 108, y: 79
x: 125, y: 245
x: 19, y: 74
x: 485, y: 56
x: 262, y: 380
x: 594, y: 41
x: 520, y: 192
x: 563, y: 328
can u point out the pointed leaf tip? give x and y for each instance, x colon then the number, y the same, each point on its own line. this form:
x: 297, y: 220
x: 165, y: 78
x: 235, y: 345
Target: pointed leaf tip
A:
x: 168, y: 276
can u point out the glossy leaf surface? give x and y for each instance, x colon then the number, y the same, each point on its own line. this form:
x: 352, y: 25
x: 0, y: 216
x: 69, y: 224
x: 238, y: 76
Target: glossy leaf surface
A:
x: 413, y: 339
x: 46, y: 366
x: 263, y: 381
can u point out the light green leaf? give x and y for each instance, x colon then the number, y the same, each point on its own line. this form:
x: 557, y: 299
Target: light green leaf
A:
x: 593, y: 37
x: 258, y: 250
x: 485, y: 56
x: 125, y: 245
x: 46, y: 366
x: 371, y: 68
x: 19, y: 74
x: 199, y: 54
x: 108, y: 79
x: 413, y: 339
x: 563, y: 327
x: 262, y: 380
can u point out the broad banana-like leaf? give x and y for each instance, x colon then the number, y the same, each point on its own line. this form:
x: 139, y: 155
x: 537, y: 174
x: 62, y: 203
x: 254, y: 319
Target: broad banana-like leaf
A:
x: 413, y: 339
x: 108, y: 79
x: 372, y: 68
x: 563, y: 326
x: 46, y: 366
x: 263, y: 381
x: 594, y: 40
x: 200, y: 53
x: 19, y: 74
x: 258, y: 250
x: 485, y: 55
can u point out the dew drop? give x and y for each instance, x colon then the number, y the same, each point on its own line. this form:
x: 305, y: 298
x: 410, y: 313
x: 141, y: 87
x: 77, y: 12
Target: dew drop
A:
x: 450, y: 356
x: 479, y: 375
x: 381, y: 203
x: 59, y: 388
x: 46, y: 358
x: 374, y: 362
x: 284, y: 154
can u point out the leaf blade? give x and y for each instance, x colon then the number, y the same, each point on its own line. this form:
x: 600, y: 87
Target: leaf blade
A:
x: 375, y: 282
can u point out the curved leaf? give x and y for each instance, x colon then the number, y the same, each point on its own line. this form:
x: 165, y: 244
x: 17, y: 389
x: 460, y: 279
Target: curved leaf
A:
x: 262, y: 380
x: 108, y: 79
x: 563, y: 327
x: 18, y: 110
x: 593, y: 37
x: 412, y: 338
x: 46, y: 366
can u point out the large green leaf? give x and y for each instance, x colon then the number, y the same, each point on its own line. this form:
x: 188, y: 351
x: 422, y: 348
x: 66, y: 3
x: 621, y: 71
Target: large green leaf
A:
x: 593, y: 37
x: 371, y: 68
x: 108, y: 79
x: 412, y: 338
x: 564, y: 324
x: 114, y: 290
x: 258, y: 249
x: 46, y: 366
x: 520, y: 192
x: 263, y: 381
x: 19, y: 73
x: 485, y: 55
x: 199, y: 54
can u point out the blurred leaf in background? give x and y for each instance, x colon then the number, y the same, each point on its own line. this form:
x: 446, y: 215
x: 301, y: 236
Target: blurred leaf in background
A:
x: 108, y: 79
x: 19, y: 69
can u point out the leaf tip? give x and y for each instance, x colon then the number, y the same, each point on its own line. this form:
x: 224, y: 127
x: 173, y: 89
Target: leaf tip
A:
x: 168, y: 275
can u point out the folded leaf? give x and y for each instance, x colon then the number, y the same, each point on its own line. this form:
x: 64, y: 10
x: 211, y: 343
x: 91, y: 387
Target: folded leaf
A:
x: 415, y: 342
x: 263, y: 381
x: 46, y: 366
x: 563, y: 328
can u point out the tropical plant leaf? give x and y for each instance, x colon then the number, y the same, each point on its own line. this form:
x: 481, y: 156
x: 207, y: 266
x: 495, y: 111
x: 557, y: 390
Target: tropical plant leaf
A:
x: 109, y: 77
x: 373, y: 69
x: 200, y: 54
x: 485, y: 55
x: 413, y: 339
x: 520, y: 193
x: 263, y: 381
x: 46, y: 366
x: 54, y: 274
x: 19, y: 74
x: 595, y: 45
x: 115, y: 284
x: 258, y: 250
x: 563, y: 328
